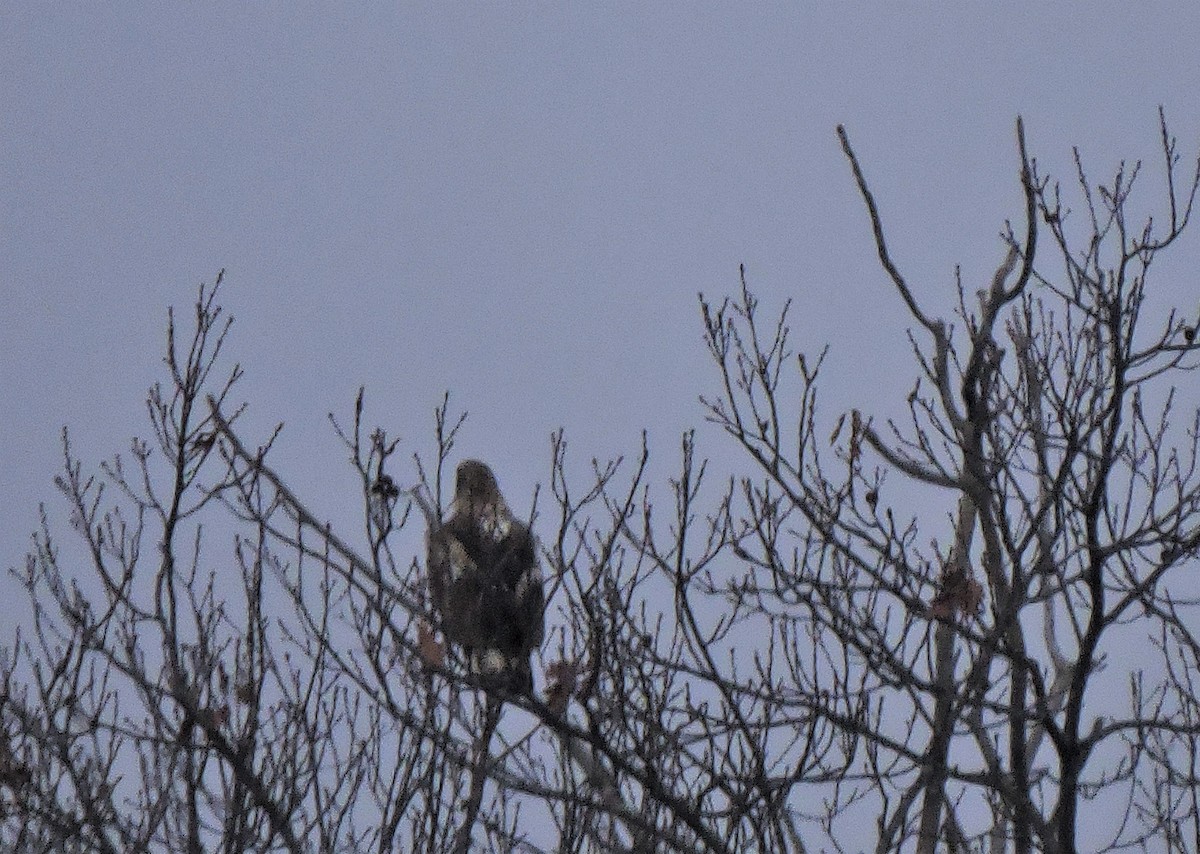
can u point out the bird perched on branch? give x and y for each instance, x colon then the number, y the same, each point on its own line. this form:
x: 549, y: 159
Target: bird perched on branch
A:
x: 484, y: 580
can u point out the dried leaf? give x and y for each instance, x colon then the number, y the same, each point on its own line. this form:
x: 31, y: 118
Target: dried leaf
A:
x: 941, y: 608
x: 959, y: 594
x: 972, y: 597
x: 561, y: 677
x: 432, y: 652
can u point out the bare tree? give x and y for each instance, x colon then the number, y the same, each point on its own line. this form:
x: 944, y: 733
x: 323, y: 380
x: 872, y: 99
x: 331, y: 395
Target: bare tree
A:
x: 776, y: 659
x: 969, y: 673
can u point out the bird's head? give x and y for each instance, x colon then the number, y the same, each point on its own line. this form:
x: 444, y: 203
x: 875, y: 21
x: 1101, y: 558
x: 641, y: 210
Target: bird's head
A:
x: 475, y: 482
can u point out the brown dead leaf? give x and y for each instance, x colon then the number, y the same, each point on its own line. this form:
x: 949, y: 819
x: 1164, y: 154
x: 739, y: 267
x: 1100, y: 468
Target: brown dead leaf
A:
x: 432, y: 652
x: 561, y: 677
x: 959, y: 594
x: 941, y: 608
x: 856, y: 426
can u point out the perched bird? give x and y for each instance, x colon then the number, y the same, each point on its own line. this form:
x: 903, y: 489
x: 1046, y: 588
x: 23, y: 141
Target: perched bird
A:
x: 484, y: 581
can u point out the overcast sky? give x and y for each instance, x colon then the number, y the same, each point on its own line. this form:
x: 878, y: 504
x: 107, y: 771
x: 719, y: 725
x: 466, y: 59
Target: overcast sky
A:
x: 518, y: 203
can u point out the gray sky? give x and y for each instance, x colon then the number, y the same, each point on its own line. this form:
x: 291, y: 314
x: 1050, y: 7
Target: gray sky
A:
x: 516, y: 202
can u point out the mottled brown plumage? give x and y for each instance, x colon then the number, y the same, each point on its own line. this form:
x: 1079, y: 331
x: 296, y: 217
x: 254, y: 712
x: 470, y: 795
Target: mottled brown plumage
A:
x: 484, y: 580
